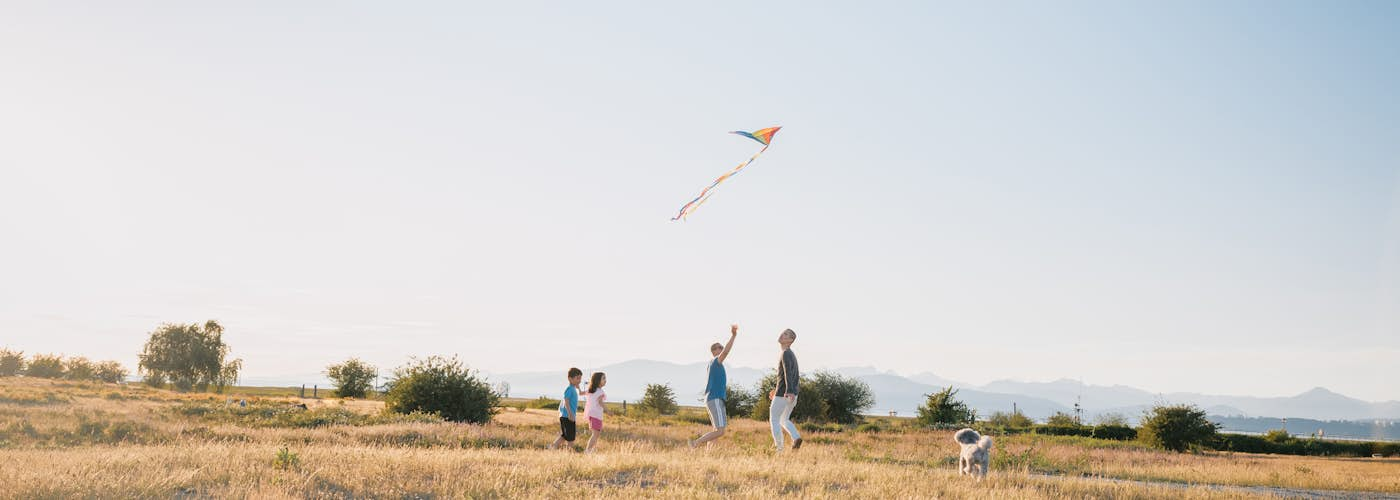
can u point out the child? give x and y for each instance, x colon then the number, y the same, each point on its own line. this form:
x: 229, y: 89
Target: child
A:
x: 715, y: 389
x: 596, y: 399
x: 568, y: 410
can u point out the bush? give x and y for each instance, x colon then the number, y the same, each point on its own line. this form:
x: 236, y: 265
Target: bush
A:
x: 1014, y: 420
x: 79, y: 368
x: 45, y: 366
x: 1116, y: 419
x: 543, y: 403
x: 1062, y: 419
x: 110, y: 372
x: 441, y: 386
x: 11, y: 363
x: 1115, y: 432
x: 942, y: 408
x: 739, y: 401
x: 190, y: 356
x: 844, y: 399
x: 1064, y: 430
x: 808, y: 406
x: 352, y: 378
x: 1176, y: 427
x: 659, y: 398
x: 1288, y: 445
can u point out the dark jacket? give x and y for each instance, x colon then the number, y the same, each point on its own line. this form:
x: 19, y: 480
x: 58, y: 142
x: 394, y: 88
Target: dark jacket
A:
x: 787, y: 374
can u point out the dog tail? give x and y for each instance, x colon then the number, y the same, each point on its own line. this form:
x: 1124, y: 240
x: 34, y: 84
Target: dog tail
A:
x: 985, y: 443
x: 966, y: 436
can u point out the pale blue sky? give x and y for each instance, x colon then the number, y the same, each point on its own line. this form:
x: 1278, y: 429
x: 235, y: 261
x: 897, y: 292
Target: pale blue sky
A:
x: 1188, y: 196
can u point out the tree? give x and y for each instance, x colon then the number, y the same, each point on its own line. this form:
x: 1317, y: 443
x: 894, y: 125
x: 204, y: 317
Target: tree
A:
x: 739, y: 401
x: 79, y: 368
x: 1062, y: 419
x: 1176, y: 427
x: 844, y: 399
x: 1114, y: 419
x: 1014, y: 419
x: 353, y: 378
x: 11, y: 362
x: 111, y: 372
x: 659, y: 398
x: 442, y: 386
x: 943, y: 408
x: 809, y: 406
x: 190, y: 356
x: 45, y: 366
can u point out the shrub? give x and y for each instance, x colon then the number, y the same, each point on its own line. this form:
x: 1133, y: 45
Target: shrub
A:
x: 543, y: 403
x: 79, y: 368
x: 286, y: 459
x: 739, y: 401
x: 1062, y: 419
x: 1064, y: 430
x: 352, y: 378
x: 808, y: 406
x: 45, y: 366
x: 1176, y: 427
x: 1278, y: 436
x: 111, y: 372
x: 190, y: 356
x: 943, y: 408
x: 844, y: 399
x: 1115, y: 432
x: 1116, y: 419
x: 870, y: 428
x: 1015, y: 419
x: 11, y: 363
x: 442, y: 386
x: 659, y: 398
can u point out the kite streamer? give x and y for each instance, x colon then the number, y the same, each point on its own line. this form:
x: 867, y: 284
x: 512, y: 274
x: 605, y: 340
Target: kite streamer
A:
x: 762, y: 136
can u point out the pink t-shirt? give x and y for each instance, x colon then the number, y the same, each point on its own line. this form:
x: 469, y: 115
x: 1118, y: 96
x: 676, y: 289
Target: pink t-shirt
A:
x: 595, y: 404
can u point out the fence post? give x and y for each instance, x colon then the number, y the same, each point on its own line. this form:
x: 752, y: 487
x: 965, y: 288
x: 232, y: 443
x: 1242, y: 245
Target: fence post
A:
x: 314, y: 390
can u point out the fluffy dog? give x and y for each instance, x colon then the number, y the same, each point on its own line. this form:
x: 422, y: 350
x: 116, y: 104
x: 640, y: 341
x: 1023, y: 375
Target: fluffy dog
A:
x: 976, y: 452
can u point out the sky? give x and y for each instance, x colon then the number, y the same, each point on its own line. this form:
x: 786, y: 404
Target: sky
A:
x: 1178, y: 196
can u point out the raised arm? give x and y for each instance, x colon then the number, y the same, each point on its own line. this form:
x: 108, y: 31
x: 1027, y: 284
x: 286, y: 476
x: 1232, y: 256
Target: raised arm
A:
x: 733, y: 332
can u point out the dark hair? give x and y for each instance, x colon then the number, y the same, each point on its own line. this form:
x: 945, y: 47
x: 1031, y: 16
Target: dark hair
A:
x: 575, y: 372
x: 593, y: 383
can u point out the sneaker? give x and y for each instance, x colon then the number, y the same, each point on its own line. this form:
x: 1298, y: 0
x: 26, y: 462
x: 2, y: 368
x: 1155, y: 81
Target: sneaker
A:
x: 796, y: 443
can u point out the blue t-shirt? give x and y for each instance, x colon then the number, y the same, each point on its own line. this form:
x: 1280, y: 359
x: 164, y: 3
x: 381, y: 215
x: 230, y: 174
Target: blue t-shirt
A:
x: 570, y: 399
x: 716, y: 387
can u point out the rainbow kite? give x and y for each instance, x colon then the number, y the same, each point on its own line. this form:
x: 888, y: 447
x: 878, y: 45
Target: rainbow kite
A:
x: 762, y: 136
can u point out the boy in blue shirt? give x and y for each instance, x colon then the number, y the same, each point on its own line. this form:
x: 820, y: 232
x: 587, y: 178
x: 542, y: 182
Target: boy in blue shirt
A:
x: 716, y: 389
x: 568, y: 410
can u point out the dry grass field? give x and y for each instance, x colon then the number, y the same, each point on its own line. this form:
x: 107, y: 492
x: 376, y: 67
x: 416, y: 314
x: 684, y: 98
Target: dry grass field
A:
x: 66, y: 439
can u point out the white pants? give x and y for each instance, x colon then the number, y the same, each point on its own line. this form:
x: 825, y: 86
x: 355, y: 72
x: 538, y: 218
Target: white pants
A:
x: 780, y: 418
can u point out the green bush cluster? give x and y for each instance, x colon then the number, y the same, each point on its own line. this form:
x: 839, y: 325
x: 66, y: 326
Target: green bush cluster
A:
x: 1289, y: 445
x: 53, y: 366
x: 825, y: 397
x: 442, y: 386
x: 283, y: 414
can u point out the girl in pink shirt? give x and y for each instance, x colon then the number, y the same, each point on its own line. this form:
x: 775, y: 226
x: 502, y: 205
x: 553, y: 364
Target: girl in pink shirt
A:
x: 594, y: 408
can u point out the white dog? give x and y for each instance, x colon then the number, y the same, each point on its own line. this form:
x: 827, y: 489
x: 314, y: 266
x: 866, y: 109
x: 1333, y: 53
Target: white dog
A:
x: 976, y: 452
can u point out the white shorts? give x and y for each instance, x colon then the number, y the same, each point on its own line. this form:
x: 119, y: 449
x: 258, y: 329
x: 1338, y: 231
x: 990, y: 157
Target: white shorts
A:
x: 716, y: 409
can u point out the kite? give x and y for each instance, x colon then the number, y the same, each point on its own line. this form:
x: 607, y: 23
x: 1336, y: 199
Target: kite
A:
x: 762, y: 136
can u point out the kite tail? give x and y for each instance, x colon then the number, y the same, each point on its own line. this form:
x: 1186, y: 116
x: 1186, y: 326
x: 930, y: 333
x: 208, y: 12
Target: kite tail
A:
x: 705, y: 195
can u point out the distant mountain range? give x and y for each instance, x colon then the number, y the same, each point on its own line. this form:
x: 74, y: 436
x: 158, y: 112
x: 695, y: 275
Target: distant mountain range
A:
x: 901, y: 394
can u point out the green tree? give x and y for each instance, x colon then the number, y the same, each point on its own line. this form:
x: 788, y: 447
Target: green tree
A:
x: 944, y: 408
x: 1176, y: 427
x: 809, y: 407
x: 45, y: 366
x: 659, y: 398
x: 1014, y: 419
x: 11, y: 363
x: 844, y: 399
x: 441, y: 386
x: 739, y: 401
x: 111, y: 372
x: 353, y: 378
x: 189, y: 356
x: 1062, y: 419
x: 79, y: 368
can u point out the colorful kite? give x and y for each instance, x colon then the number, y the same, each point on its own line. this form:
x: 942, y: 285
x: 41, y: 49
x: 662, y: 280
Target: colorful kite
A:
x: 762, y: 136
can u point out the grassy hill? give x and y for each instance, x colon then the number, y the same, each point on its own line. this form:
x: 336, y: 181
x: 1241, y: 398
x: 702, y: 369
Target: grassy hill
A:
x: 67, y: 439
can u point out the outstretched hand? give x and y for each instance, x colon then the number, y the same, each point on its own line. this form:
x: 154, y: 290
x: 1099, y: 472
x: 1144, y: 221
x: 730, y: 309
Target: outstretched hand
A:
x: 734, y: 329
